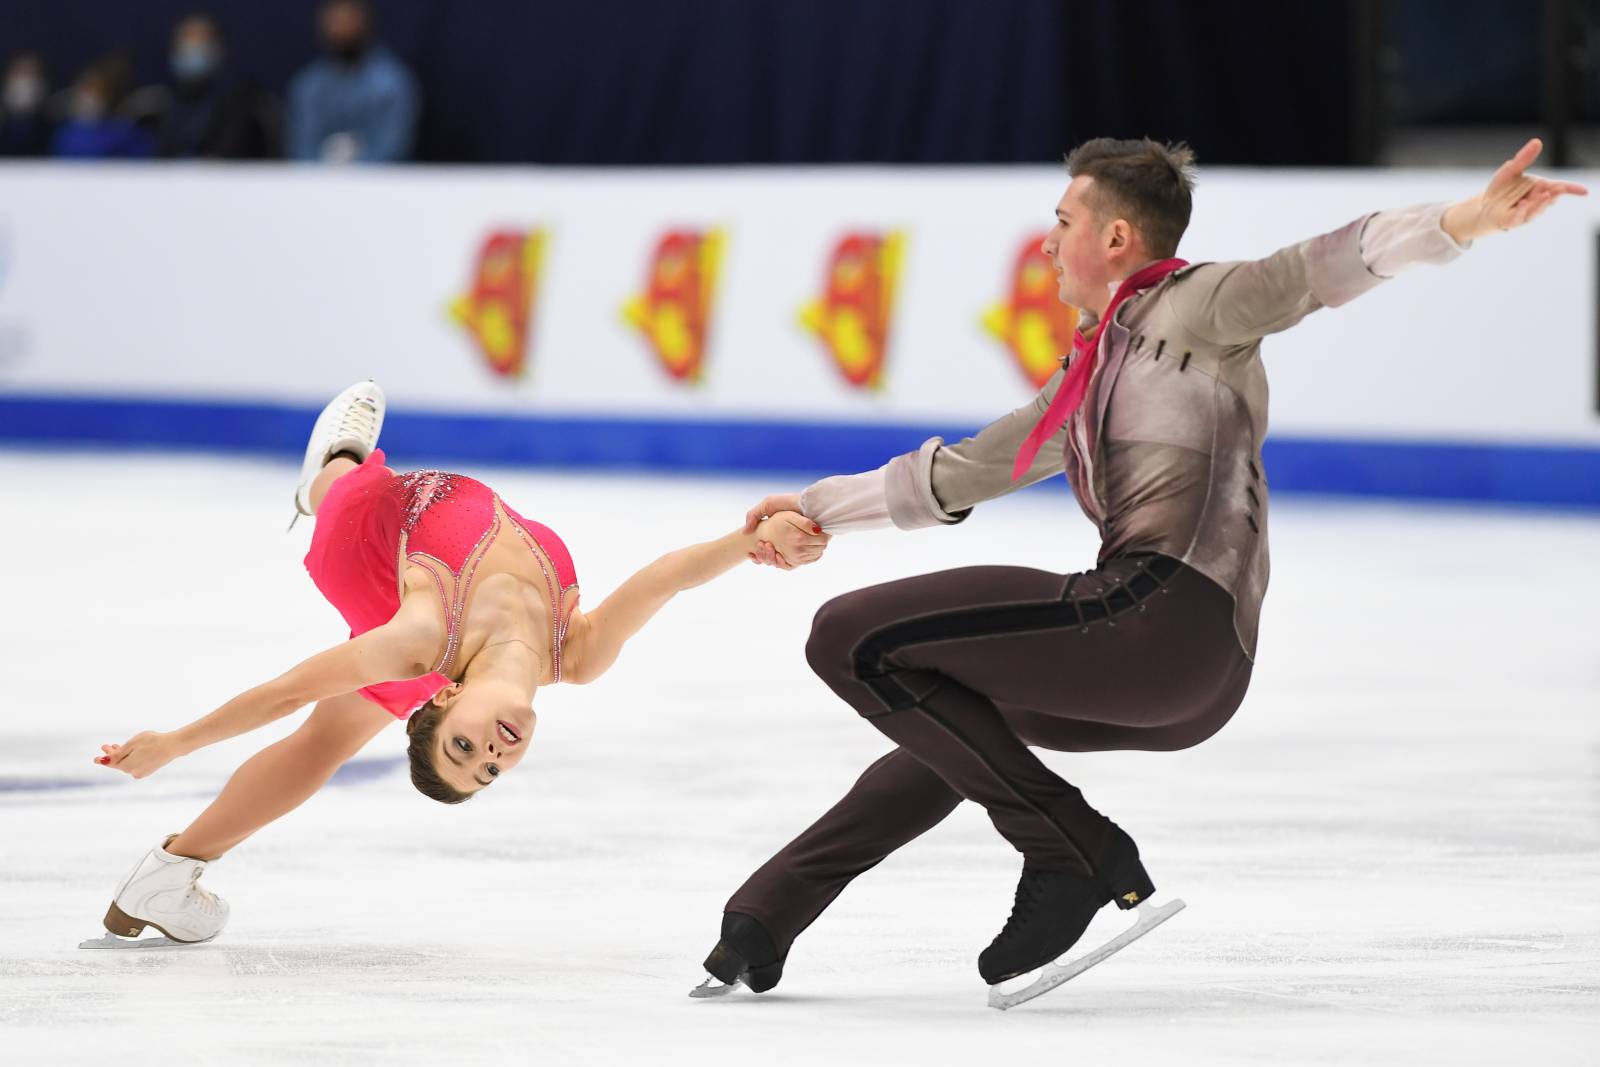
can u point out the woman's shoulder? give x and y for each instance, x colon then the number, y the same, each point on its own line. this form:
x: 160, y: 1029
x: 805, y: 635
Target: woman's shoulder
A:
x: 574, y: 643
x: 418, y: 627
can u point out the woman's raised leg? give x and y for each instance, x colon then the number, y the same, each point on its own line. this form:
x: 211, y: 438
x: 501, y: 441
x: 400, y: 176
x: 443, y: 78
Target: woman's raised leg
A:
x: 333, y: 470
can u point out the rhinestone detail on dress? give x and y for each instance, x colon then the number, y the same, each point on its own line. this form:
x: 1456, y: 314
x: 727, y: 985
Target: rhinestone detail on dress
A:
x: 428, y: 488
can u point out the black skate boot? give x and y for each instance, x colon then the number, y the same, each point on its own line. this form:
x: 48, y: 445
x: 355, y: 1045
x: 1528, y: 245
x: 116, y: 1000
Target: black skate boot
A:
x: 1053, y: 909
x: 745, y: 954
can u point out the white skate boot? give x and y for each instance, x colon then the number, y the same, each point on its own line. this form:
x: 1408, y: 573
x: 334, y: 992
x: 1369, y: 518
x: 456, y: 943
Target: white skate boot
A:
x: 163, y: 891
x: 350, y: 423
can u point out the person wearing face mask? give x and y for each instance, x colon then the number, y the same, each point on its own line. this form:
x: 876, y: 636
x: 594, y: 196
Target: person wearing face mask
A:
x: 25, y: 125
x: 358, y: 103
x: 206, y: 114
x: 93, y: 130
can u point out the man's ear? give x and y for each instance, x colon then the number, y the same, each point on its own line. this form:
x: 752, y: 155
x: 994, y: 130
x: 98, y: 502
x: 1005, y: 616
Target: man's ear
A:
x: 1119, y: 236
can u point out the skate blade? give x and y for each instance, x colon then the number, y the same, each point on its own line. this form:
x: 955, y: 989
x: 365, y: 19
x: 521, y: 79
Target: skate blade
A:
x: 711, y: 987
x: 112, y: 941
x: 1149, y: 915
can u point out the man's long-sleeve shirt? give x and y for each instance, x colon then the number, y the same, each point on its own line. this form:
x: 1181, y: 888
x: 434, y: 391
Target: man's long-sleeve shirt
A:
x: 1164, y: 454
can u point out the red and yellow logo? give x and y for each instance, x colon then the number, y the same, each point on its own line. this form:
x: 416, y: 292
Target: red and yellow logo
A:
x: 1032, y: 321
x: 497, y: 308
x: 674, y: 311
x: 852, y: 315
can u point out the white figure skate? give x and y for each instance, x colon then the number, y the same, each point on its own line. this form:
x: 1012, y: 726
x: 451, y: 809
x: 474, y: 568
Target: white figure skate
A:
x: 163, y: 891
x: 350, y: 423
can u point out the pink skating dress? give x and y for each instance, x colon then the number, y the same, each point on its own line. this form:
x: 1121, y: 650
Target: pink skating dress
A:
x: 373, y: 518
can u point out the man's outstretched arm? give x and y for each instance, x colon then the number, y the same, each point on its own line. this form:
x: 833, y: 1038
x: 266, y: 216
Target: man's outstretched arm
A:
x: 935, y: 485
x: 1238, y: 303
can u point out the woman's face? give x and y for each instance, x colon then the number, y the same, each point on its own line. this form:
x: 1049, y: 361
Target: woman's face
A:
x: 481, y: 735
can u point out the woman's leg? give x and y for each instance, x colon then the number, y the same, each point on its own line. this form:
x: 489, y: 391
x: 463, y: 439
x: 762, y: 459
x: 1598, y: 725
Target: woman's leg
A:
x: 283, y: 776
x: 334, y: 469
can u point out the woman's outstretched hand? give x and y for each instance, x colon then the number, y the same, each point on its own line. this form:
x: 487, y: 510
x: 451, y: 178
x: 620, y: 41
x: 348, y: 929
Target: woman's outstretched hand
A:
x: 1513, y: 198
x: 143, y: 754
x: 788, y: 540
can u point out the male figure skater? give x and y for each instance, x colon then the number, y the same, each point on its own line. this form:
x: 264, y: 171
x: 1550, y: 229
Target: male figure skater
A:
x: 1157, y: 418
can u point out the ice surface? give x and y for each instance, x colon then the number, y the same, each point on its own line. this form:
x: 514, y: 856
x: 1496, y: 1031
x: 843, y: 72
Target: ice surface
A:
x: 1392, y: 854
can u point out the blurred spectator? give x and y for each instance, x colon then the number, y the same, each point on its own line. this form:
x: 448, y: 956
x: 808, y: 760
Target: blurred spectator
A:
x: 25, y: 126
x: 358, y: 102
x: 92, y: 129
x: 207, y: 114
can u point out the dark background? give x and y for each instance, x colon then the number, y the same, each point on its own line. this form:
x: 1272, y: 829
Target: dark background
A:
x: 905, y: 81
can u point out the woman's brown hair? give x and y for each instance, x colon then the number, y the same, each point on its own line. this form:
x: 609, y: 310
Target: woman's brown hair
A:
x: 421, y: 728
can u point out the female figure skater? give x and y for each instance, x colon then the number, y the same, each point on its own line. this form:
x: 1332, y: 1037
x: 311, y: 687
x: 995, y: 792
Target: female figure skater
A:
x: 459, y: 610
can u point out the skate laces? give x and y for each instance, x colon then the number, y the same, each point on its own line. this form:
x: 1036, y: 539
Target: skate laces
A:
x: 359, y: 420
x: 1027, y: 901
x: 207, y: 901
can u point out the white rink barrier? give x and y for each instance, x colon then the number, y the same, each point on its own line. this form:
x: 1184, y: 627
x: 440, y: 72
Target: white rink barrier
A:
x: 810, y: 319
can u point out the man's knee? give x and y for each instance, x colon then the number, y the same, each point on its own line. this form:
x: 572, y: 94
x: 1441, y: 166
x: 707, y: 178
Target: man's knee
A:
x: 835, y: 631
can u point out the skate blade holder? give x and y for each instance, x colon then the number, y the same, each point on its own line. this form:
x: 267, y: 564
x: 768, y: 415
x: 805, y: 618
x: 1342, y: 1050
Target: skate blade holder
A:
x: 123, y: 930
x: 713, y: 987
x: 1149, y: 917
x: 112, y: 941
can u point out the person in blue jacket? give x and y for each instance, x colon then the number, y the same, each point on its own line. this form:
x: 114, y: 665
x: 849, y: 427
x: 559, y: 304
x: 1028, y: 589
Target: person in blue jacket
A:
x: 358, y: 102
x: 93, y: 130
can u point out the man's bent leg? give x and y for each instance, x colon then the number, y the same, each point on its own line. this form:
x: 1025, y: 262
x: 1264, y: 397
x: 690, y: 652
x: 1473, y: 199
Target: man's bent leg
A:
x: 897, y: 799
x: 1141, y: 642
x: 963, y: 737
x: 956, y: 731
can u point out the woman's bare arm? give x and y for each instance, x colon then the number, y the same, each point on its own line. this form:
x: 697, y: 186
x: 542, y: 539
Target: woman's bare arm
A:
x: 398, y: 649
x: 608, y: 627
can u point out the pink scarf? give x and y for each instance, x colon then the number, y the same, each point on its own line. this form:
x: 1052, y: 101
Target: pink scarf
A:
x: 1084, y: 353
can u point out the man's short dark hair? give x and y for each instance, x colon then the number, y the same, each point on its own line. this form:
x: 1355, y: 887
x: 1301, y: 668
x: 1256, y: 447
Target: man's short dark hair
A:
x: 1146, y: 182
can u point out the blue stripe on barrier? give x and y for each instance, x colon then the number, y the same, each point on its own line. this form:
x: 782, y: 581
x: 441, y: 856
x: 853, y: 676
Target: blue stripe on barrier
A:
x: 1502, y: 473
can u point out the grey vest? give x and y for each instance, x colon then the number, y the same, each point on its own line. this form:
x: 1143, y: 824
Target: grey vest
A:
x: 1164, y: 455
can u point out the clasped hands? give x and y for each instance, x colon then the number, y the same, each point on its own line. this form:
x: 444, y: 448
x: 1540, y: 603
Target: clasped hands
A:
x: 786, y: 539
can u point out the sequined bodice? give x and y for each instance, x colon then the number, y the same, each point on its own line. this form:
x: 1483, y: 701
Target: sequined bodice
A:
x: 449, y: 522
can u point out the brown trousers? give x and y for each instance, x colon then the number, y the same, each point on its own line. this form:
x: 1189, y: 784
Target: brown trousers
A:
x: 964, y: 670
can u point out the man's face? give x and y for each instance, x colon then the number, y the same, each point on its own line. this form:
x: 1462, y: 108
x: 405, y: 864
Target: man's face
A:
x: 343, y: 26
x: 194, y: 33
x: 1086, y: 252
x: 24, y: 88
x: 25, y: 66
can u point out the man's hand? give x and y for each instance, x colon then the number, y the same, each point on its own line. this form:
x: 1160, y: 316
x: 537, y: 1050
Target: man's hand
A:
x: 1513, y: 198
x: 143, y: 755
x: 789, y: 540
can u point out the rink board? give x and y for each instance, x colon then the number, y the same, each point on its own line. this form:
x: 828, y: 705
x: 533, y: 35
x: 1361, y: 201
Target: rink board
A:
x: 725, y: 320
x: 1508, y: 474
